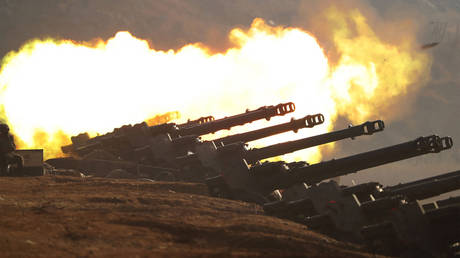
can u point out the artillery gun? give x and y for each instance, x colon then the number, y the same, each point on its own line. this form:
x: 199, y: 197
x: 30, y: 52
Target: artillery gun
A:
x: 441, y: 203
x: 103, y: 167
x: 150, y: 145
x: 266, y: 178
x: 424, y: 188
x: 294, y: 125
x: 167, y: 149
x: 339, y: 210
x: 82, y: 144
x: 414, y: 232
x: 345, y: 211
x: 414, y: 190
x: 367, y: 128
x: 199, y: 121
x: 231, y: 161
x: 134, y: 138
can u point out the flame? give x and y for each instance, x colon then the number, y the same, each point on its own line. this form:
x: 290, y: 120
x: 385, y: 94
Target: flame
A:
x: 51, y: 88
x: 163, y: 118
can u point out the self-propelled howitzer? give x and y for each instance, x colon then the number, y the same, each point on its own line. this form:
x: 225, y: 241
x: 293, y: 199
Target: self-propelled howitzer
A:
x: 130, y: 137
x: 339, y: 167
x: 424, y: 188
x: 251, y: 156
x: 415, y: 232
x: 270, y: 176
x: 167, y: 148
x: 332, y: 208
x: 232, y: 160
x: 414, y: 190
x: 367, y: 193
x: 126, y: 134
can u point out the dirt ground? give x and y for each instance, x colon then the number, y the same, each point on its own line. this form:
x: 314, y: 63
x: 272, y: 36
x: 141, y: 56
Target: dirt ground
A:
x: 63, y: 216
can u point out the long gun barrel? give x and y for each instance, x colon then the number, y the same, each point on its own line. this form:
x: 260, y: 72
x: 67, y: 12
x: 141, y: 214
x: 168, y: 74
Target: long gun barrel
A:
x: 449, y: 201
x: 425, y: 188
x: 442, y: 203
x: 294, y: 125
x: 82, y: 143
x: 199, y: 121
x: 366, y: 128
x: 136, y: 135
x: 127, y: 134
x: 266, y: 112
x: 338, y: 167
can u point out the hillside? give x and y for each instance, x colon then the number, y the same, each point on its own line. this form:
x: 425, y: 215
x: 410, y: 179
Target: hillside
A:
x: 57, y: 216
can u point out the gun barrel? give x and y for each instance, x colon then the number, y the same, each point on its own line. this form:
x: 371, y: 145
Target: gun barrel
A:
x: 199, y: 121
x: 449, y: 201
x: 266, y: 112
x: 83, y: 144
x: 338, y: 167
x: 366, y: 128
x: 427, y: 187
x: 294, y: 125
x: 441, y: 203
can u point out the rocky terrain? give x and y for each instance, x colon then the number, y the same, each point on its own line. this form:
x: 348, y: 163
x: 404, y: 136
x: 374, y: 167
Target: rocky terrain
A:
x: 57, y: 216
